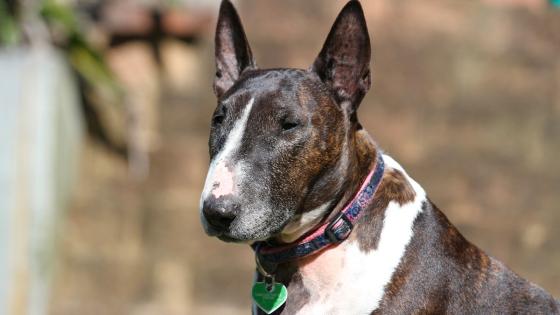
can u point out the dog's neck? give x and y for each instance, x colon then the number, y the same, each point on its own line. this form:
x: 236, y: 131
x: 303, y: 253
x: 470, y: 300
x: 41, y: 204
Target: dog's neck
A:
x: 357, y: 159
x: 370, y: 256
x: 362, y: 154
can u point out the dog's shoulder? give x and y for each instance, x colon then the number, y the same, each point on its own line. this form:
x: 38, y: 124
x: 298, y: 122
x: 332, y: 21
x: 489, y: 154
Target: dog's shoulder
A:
x: 439, y: 269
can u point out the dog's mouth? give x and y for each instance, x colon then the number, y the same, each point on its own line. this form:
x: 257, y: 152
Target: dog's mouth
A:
x: 222, y: 236
x: 229, y: 239
x: 243, y: 230
x: 225, y: 236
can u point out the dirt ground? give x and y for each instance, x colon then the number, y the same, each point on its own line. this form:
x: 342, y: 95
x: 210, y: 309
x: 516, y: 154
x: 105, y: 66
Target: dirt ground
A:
x: 466, y: 95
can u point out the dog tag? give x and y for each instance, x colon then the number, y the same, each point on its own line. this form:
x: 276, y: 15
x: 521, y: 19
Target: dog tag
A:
x: 269, y: 301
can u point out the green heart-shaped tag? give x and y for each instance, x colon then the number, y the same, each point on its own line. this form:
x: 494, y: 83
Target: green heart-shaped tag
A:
x: 269, y: 301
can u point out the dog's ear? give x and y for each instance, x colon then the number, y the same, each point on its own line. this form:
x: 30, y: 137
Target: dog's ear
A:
x: 233, y: 54
x: 343, y: 63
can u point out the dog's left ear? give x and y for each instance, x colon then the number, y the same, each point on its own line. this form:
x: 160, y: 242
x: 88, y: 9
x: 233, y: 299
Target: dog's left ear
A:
x: 233, y: 54
x: 343, y: 63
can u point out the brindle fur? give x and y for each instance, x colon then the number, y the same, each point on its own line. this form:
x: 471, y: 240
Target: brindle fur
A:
x: 443, y: 273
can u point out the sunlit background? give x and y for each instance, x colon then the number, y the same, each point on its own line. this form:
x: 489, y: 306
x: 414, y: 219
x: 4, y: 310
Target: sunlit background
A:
x: 105, y: 117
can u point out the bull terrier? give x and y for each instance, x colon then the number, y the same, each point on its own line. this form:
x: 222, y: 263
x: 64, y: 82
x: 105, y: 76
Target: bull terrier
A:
x: 338, y: 227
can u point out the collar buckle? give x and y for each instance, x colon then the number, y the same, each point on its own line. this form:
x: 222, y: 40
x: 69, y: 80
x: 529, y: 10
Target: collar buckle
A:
x: 339, y: 232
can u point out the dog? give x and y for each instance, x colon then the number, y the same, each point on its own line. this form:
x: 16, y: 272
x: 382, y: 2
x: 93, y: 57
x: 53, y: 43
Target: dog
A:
x: 335, y: 222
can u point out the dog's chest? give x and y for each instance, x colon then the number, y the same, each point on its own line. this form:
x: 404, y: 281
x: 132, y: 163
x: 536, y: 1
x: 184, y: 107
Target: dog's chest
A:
x: 344, y: 280
x: 348, y: 279
x: 334, y: 282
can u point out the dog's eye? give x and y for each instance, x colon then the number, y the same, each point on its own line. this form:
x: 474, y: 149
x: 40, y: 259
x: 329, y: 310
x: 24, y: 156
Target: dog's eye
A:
x: 217, y: 119
x: 219, y: 116
x: 288, y: 125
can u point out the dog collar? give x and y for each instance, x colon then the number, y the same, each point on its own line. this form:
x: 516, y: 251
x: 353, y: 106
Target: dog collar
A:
x: 335, y: 231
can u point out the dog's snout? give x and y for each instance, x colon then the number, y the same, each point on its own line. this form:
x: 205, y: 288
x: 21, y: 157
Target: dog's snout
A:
x: 219, y: 214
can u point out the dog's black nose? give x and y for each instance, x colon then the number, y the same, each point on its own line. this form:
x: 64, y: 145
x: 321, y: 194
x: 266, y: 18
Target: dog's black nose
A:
x: 219, y: 214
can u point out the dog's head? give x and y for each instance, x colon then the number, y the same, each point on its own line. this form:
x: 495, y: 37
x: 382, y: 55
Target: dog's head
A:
x: 279, y: 138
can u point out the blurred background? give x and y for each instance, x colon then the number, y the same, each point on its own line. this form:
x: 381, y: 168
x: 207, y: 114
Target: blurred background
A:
x: 106, y: 110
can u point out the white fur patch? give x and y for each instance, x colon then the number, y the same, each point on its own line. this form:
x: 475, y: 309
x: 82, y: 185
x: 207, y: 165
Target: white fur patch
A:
x: 358, y: 285
x: 216, y: 182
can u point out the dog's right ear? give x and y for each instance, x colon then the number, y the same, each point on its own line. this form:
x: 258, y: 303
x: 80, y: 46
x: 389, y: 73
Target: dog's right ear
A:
x: 343, y: 63
x: 233, y: 54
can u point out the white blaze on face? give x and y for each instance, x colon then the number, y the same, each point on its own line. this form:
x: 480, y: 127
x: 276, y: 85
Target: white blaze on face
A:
x: 223, y: 180
x: 220, y: 180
